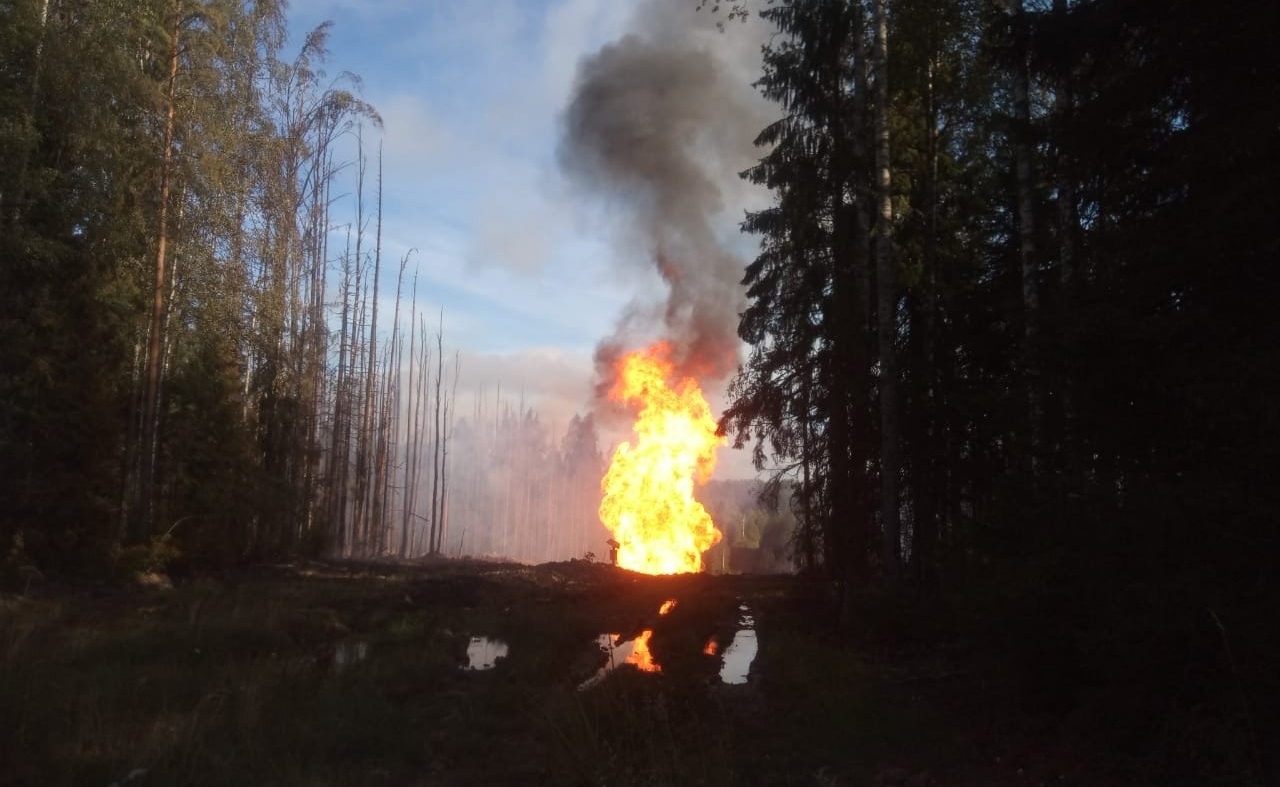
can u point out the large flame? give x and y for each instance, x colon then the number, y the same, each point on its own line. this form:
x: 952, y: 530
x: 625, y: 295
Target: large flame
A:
x: 648, y: 492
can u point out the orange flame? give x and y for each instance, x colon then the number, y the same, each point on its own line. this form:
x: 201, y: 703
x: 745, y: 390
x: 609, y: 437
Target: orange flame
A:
x: 648, y: 491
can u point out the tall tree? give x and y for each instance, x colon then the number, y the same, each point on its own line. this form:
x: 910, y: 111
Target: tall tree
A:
x: 804, y: 394
x: 886, y: 303
x: 1029, y: 262
x: 437, y: 456
x: 142, y: 520
x: 72, y: 234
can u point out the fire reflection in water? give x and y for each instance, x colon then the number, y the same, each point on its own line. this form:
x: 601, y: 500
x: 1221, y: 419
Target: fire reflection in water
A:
x: 629, y: 651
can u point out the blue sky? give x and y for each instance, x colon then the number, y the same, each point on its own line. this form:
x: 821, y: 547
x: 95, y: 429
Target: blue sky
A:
x: 530, y: 276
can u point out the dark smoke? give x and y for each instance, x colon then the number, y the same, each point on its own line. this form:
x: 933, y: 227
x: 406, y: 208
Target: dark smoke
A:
x: 658, y: 125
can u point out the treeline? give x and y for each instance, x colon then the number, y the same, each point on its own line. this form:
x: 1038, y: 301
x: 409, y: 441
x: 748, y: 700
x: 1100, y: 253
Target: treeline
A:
x: 519, y: 491
x: 194, y: 354
x: 1013, y: 327
x: 757, y: 539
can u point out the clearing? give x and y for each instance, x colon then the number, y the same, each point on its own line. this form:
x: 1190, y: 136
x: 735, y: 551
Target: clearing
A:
x: 333, y: 673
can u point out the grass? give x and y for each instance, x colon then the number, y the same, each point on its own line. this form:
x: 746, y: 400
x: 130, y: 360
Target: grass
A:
x: 330, y: 674
x: 241, y: 681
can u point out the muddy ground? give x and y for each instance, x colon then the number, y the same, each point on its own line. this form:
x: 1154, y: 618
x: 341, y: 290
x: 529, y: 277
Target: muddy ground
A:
x: 341, y: 674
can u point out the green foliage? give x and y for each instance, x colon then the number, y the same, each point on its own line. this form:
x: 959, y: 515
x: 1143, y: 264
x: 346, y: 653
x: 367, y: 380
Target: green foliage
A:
x: 85, y: 96
x: 213, y: 484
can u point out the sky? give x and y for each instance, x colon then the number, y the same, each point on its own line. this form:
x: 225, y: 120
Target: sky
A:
x: 532, y: 268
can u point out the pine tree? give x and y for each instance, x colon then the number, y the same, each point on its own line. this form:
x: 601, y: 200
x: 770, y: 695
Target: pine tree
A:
x: 804, y: 394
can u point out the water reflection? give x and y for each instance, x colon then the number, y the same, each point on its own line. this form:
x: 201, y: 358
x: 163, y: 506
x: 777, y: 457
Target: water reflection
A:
x: 741, y: 651
x: 483, y: 653
x: 348, y: 654
x: 629, y: 651
x: 633, y: 651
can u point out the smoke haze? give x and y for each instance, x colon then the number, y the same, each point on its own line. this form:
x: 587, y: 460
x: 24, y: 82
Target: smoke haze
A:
x: 658, y: 126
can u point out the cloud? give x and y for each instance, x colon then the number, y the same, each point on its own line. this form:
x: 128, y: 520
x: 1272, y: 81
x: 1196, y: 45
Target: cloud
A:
x: 416, y: 139
x: 550, y: 380
x: 522, y: 239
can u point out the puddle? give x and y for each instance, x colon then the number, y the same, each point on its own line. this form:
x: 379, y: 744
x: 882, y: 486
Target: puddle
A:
x: 742, y: 650
x: 632, y: 651
x: 736, y: 659
x: 348, y: 654
x: 483, y: 653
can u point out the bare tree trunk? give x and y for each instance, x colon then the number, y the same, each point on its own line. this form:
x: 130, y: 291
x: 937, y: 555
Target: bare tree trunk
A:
x: 337, y: 446
x: 435, y: 458
x: 366, y: 479
x: 406, y: 494
x: 315, y: 385
x: 142, y: 523
x: 391, y: 412
x: 450, y: 403
x: 508, y: 481
x: 360, y: 315
x: 421, y: 427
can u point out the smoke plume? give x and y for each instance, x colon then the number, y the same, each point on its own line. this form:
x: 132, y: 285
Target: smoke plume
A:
x: 658, y: 126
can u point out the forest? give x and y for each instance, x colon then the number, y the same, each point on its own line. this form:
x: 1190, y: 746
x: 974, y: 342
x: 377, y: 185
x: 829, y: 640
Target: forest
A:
x: 193, y: 370
x: 1011, y: 344
x: 1013, y: 334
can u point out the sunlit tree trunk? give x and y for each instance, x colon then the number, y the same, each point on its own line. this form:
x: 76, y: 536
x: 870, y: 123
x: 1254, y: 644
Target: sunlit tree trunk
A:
x: 142, y: 521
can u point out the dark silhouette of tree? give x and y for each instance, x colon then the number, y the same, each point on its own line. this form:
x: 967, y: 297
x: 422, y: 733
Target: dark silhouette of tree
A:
x: 1080, y: 223
x: 805, y: 393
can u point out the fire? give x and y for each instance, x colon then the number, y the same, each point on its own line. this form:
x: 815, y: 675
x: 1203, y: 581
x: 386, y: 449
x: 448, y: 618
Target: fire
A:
x: 641, y: 657
x: 648, y: 491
